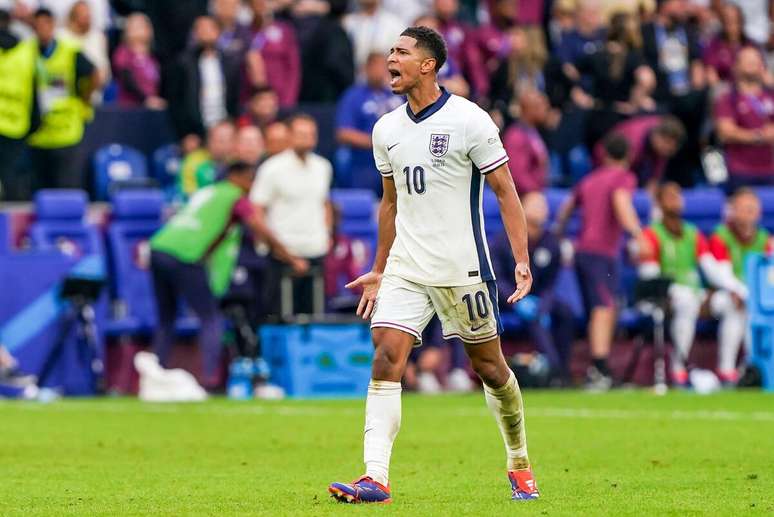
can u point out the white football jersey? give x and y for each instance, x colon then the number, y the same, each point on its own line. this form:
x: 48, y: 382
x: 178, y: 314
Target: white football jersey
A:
x: 438, y: 159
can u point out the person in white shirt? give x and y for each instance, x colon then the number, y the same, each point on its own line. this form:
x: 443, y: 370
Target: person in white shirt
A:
x: 434, y: 153
x: 292, y: 190
x: 93, y: 43
x: 371, y: 29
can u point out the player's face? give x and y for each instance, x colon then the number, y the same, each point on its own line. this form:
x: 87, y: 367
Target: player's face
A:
x: 406, y: 65
x: 671, y: 201
x: 746, y: 212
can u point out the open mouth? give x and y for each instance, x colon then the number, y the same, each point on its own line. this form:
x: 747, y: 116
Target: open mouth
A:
x: 394, y: 76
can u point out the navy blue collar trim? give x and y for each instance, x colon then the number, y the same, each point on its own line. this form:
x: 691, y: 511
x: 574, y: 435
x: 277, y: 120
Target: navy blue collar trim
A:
x: 425, y: 113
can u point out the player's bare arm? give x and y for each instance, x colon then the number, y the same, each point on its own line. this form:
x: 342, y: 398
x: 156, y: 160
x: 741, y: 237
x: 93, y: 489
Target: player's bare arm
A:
x: 370, y: 281
x: 512, y: 213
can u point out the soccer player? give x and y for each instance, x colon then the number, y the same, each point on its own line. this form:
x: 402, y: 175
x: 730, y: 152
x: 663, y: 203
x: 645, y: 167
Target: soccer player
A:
x: 678, y: 250
x: 433, y: 153
x: 731, y: 244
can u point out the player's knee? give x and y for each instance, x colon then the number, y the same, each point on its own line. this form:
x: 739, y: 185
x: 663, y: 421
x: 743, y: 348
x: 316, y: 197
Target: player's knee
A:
x: 388, y: 363
x: 493, y: 373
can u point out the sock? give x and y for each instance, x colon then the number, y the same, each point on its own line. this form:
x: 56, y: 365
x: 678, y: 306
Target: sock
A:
x: 601, y: 365
x: 730, y: 336
x: 382, y: 423
x: 506, y: 405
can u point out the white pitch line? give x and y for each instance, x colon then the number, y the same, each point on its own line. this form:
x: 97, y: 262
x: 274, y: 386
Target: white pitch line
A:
x: 251, y: 408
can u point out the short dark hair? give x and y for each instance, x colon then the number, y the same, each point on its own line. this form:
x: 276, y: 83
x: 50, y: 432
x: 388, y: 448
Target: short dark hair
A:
x: 429, y: 40
x: 43, y: 12
x: 238, y: 168
x: 616, y: 147
x: 300, y: 116
x: 661, y: 190
x: 671, y: 127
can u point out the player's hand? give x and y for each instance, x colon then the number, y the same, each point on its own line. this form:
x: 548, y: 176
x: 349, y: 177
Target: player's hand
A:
x: 370, y: 284
x: 300, y: 266
x: 523, y: 282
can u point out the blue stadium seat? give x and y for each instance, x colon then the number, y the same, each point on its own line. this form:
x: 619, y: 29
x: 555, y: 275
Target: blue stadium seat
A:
x: 166, y: 162
x: 556, y: 198
x: 642, y: 205
x: 578, y: 163
x: 767, y: 201
x: 136, y: 216
x: 60, y: 224
x: 116, y: 164
x: 704, y: 207
x: 358, y: 216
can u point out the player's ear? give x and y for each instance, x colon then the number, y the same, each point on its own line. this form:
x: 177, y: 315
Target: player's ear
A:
x: 427, y: 66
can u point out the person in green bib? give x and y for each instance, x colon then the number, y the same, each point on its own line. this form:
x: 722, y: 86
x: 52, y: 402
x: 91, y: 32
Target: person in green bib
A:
x: 18, y: 106
x: 66, y: 80
x: 731, y: 244
x: 192, y: 257
x: 676, y: 249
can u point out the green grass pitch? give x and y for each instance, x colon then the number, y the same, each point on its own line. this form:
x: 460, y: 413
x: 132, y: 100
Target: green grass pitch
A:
x: 623, y: 453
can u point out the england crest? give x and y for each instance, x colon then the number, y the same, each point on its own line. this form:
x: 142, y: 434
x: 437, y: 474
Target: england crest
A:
x: 439, y: 144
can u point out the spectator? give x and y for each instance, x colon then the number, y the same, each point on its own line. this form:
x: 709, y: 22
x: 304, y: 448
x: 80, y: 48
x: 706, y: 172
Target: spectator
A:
x: 180, y: 251
x: 277, y: 138
x: 407, y: 12
x: 235, y: 37
x: 372, y: 30
x: 731, y: 244
x: 653, y: 140
x: 454, y: 32
x: 205, y: 89
x: 758, y: 16
x: 720, y: 54
x: 61, y: 9
x: 549, y: 320
x: 172, y: 22
x: 292, y: 190
x: 745, y: 123
x: 671, y: 49
x: 262, y: 109
x: 619, y: 82
x: 359, y: 109
x: 524, y: 145
x: 137, y: 72
x: 66, y: 81
x: 249, y: 146
x: 273, y: 57
x: 521, y: 69
x: 677, y: 250
x: 18, y: 106
x: 327, y: 58
x: 200, y: 169
x: 488, y: 45
x: 605, y: 201
x: 585, y: 38
x: 91, y: 40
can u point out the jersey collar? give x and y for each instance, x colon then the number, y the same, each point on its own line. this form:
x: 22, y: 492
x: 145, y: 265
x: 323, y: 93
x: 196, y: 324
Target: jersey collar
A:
x: 428, y: 111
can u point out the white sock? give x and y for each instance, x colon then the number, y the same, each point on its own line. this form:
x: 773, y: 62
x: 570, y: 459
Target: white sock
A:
x: 381, y: 427
x: 506, y: 406
x: 730, y: 336
x: 685, y: 309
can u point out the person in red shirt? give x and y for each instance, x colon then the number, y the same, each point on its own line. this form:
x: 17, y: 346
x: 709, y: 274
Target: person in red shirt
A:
x: 604, y: 198
x: 676, y: 249
x: 731, y: 244
x: 653, y: 140
x: 524, y: 145
x: 745, y: 123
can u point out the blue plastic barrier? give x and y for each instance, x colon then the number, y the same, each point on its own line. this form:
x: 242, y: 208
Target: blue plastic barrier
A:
x: 760, y: 307
x: 319, y: 360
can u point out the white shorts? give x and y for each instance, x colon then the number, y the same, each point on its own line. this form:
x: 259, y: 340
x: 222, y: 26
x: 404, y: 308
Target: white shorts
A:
x: 469, y: 312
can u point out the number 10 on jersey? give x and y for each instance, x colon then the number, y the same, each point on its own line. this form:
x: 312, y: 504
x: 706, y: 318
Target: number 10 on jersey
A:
x: 415, y: 177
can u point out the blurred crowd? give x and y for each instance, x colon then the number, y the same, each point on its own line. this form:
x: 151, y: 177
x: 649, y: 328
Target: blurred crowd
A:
x: 601, y: 96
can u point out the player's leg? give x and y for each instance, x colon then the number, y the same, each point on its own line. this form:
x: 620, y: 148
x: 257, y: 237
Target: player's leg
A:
x: 731, y: 333
x: 685, y: 305
x: 471, y: 314
x: 402, y: 311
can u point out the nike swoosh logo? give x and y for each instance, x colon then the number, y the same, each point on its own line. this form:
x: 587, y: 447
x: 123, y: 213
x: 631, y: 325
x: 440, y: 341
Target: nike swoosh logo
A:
x: 391, y: 147
x: 473, y: 329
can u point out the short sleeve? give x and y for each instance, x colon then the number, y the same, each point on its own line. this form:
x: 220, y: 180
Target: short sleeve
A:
x: 380, y: 151
x: 702, y: 245
x: 655, y: 248
x: 482, y: 142
x: 243, y: 209
x: 719, y: 249
x: 263, y: 189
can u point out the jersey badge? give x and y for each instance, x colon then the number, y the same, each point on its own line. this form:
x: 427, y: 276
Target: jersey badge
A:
x: 439, y: 144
